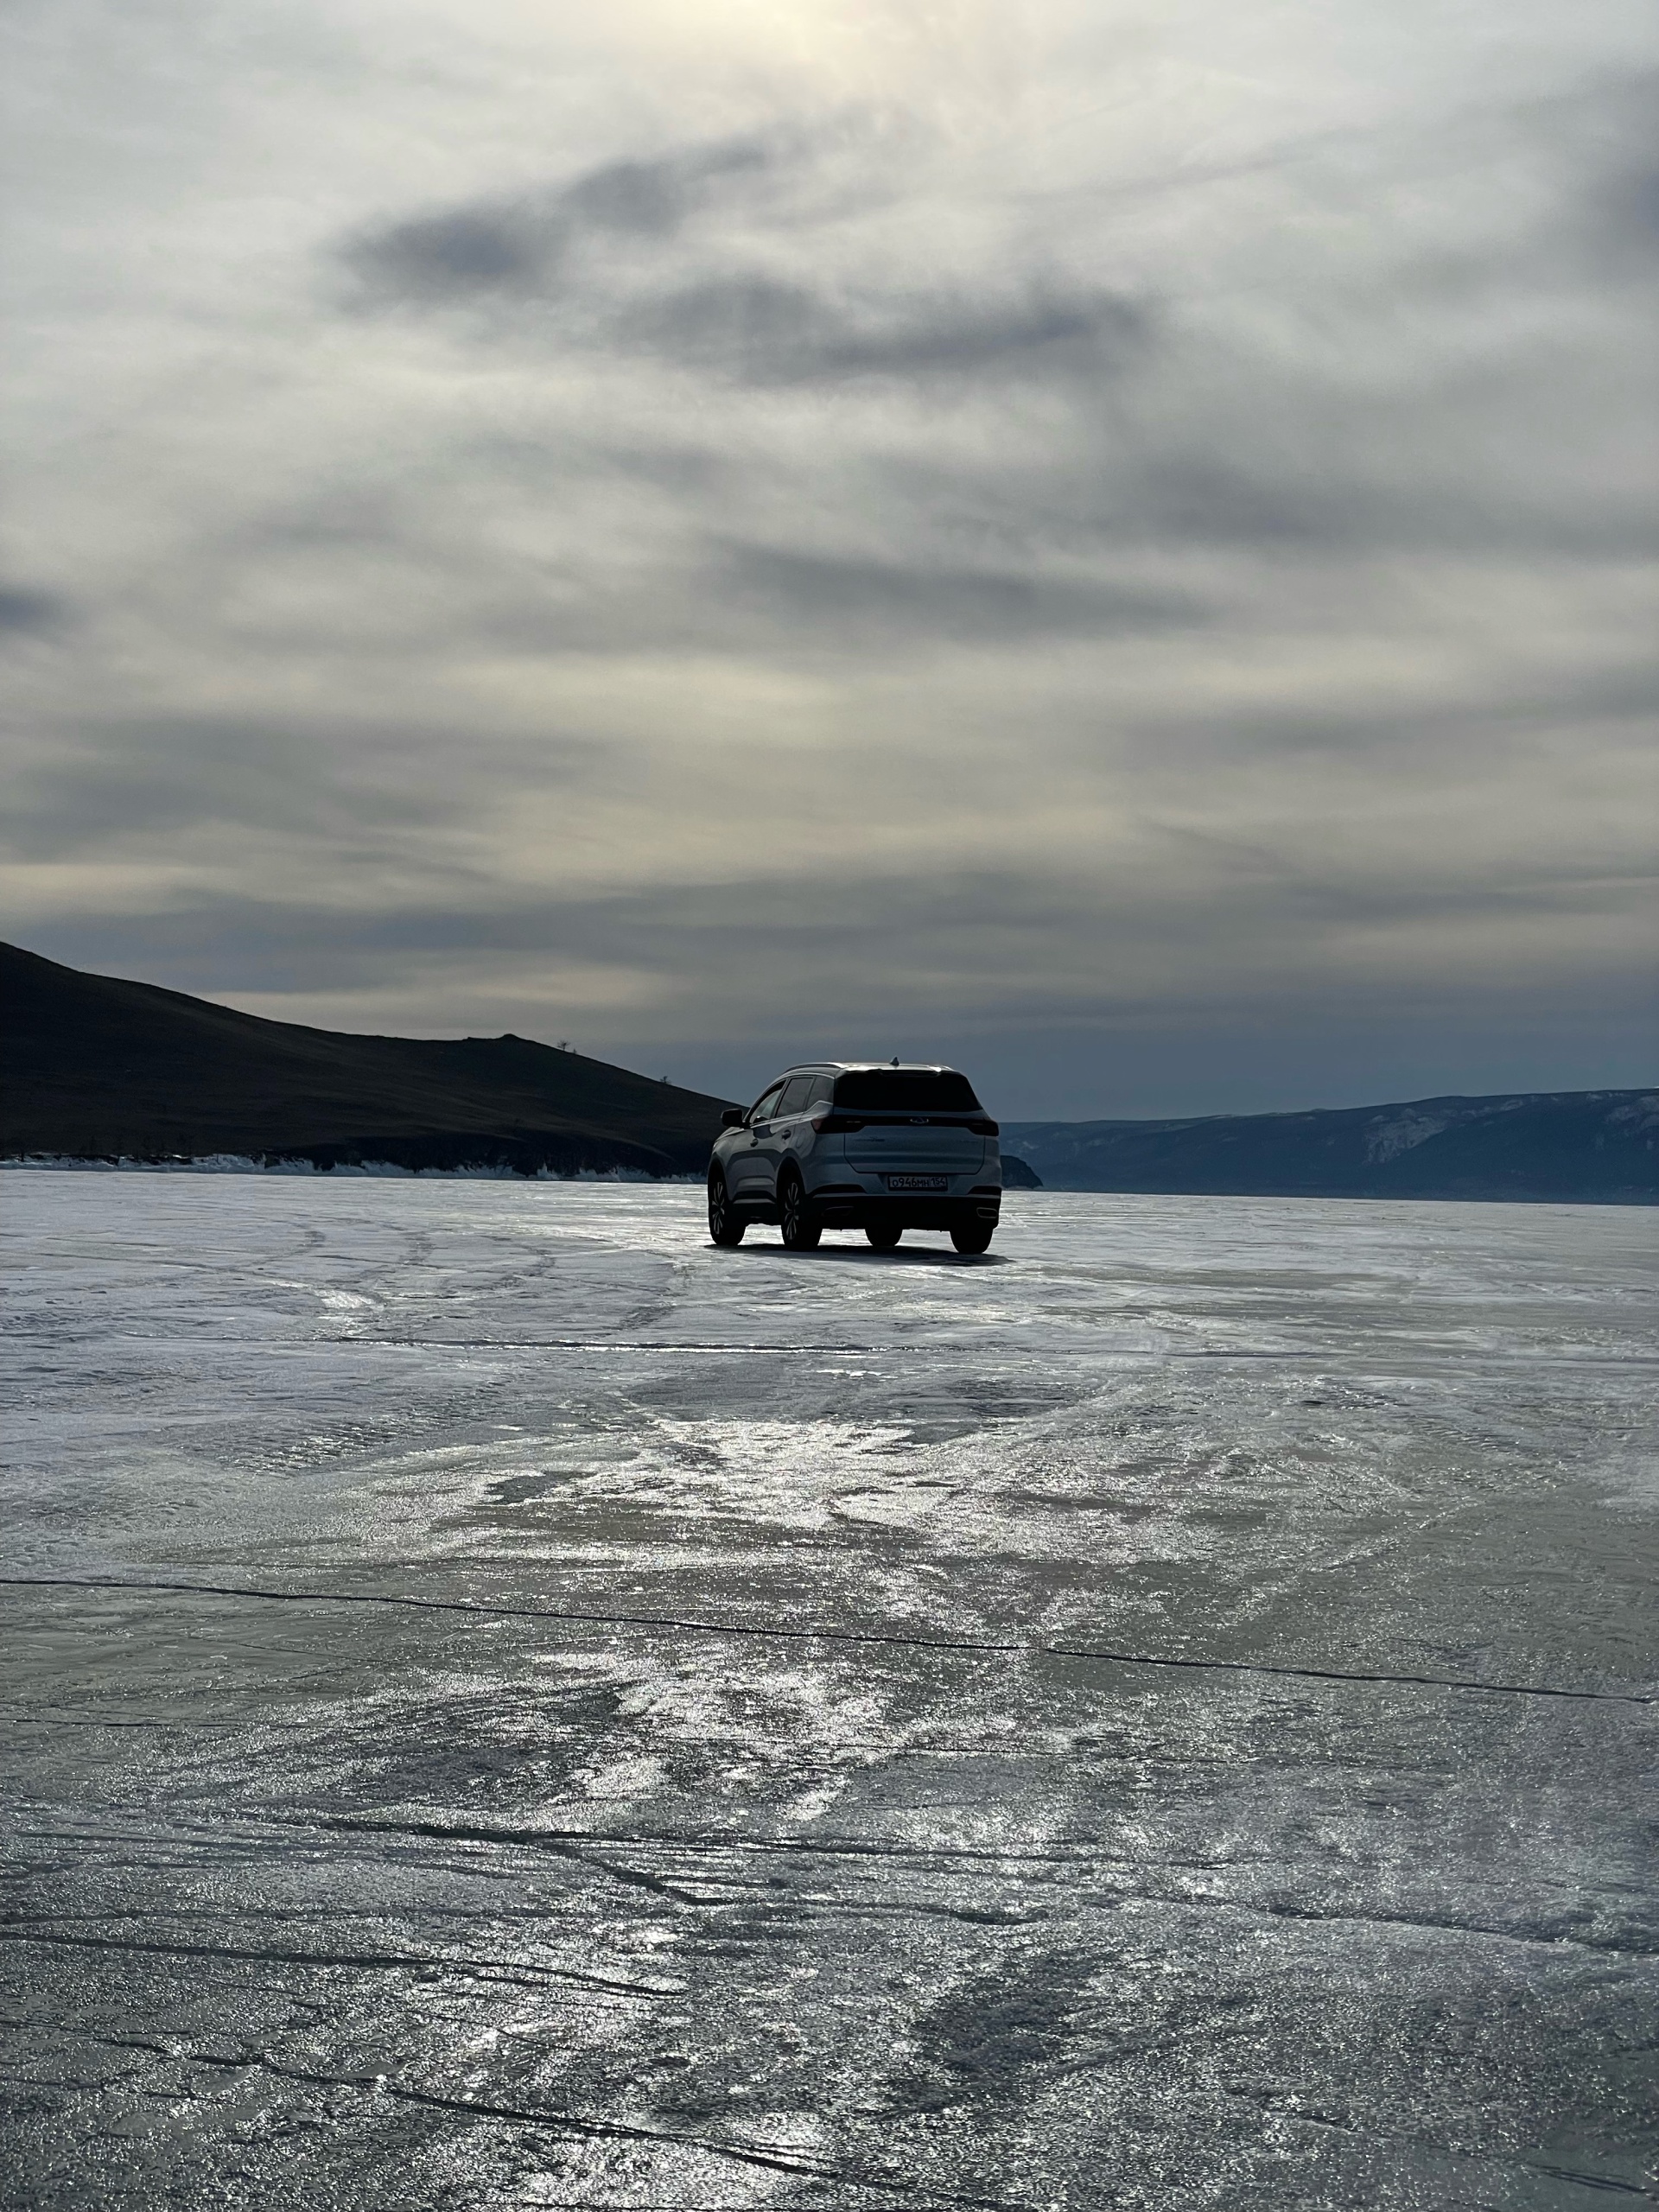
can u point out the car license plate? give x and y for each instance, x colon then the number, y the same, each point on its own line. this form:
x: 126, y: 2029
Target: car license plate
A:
x: 918, y: 1182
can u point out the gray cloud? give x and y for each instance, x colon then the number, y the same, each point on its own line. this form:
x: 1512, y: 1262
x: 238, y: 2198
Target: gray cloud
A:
x: 520, y: 246
x: 654, y: 198
x: 811, y: 593
x: 435, y: 260
x: 26, y: 612
x: 769, y: 332
x: 1612, y: 170
x: 736, y: 320
x: 1631, y: 211
x: 129, y: 783
x: 1296, y: 509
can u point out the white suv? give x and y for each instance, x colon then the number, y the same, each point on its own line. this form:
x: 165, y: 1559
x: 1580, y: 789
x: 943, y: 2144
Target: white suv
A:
x: 859, y: 1144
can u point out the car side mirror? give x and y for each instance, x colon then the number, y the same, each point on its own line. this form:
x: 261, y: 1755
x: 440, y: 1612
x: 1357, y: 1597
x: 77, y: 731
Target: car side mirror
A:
x: 732, y: 1118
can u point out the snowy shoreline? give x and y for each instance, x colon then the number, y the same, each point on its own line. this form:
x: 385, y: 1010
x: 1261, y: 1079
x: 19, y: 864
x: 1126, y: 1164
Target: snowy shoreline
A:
x: 231, y: 1163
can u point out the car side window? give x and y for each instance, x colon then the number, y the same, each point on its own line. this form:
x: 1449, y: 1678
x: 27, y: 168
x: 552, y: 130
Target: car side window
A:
x: 797, y: 1091
x: 823, y: 1091
x: 767, y: 1105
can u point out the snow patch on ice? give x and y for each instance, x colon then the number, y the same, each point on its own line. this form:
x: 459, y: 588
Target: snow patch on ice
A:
x: 218, y: 1163
x: 239, y: 1163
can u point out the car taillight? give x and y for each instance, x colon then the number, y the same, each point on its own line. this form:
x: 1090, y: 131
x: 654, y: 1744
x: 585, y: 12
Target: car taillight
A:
x: 835, y: 1125
x: 984, y: 1127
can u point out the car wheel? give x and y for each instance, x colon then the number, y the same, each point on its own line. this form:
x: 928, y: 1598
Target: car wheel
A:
x: 973, y: 1237
x: 801, y: 1232
x: 884, y: 1235
x: 726, y: 1224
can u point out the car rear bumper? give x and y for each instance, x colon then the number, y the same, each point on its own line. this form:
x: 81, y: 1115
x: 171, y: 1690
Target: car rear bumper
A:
x: 836, y: 1201
x: 865, y: 1210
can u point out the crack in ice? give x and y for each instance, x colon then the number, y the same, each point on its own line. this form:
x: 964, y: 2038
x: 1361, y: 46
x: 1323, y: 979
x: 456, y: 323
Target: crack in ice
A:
x: 771, y: 1631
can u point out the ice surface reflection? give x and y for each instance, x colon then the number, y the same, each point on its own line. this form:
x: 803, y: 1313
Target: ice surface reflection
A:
x: 594, y: 1720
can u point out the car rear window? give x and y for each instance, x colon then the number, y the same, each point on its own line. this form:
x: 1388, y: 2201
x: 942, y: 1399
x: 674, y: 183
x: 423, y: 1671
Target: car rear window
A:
x: 899, y: 1090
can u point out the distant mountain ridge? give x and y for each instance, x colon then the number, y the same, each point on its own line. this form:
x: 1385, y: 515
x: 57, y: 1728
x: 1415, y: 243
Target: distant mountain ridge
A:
x: 94, y: 1067
x: 1599, y: 1147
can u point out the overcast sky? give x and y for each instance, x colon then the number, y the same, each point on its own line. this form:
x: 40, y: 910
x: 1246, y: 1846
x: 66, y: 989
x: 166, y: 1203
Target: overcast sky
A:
x: 1113, y: 544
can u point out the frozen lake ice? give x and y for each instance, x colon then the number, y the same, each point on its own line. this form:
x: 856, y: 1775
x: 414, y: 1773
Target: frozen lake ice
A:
x: 508, y: 1706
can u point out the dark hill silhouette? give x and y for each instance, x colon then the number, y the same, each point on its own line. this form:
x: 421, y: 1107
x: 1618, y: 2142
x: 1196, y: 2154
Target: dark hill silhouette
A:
x: 1585, y: 1146
x: 96, y: 1068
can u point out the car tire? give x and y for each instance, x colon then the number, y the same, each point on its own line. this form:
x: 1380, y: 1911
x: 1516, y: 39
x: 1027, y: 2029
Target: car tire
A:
x: 801, y: 1231
x: 884, y: 1235
x: 726, y: 1224
x: 973, y: 1236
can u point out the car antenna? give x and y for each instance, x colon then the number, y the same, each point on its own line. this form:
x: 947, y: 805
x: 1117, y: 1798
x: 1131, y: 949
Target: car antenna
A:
x: 895, y: 1062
